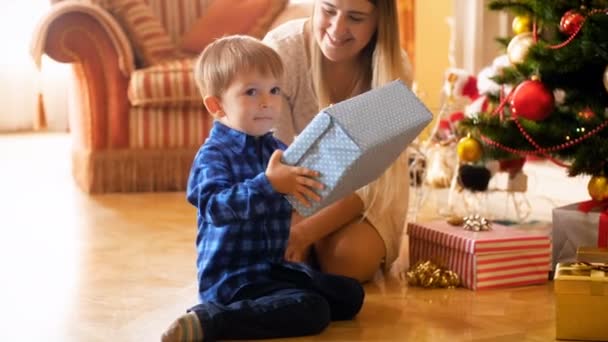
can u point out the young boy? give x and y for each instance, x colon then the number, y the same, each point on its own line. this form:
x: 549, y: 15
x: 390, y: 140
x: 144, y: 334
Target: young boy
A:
x: 246, y: 288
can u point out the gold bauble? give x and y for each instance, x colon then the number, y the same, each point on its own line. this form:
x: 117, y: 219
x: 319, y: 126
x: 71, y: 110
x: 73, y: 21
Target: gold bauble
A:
x: 605, y: 78
x: 518, y: 47
x: 469, y: 149
x: 521, y: 24
x: 598, y: 188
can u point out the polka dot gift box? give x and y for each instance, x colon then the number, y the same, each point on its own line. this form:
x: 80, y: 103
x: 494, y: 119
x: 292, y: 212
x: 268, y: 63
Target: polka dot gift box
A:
x: 352, y: 142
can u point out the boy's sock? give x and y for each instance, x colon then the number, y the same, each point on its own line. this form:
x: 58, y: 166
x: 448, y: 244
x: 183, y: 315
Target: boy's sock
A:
x: 186, y: 328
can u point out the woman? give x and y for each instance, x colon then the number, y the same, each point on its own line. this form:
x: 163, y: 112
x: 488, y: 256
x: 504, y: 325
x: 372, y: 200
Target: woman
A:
x: 345, y: 48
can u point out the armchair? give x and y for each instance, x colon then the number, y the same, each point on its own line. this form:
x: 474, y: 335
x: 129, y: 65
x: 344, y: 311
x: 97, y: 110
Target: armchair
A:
x: 135, y: 114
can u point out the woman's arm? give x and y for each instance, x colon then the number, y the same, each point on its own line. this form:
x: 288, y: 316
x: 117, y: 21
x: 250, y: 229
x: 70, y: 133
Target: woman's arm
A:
x: 305, y: 231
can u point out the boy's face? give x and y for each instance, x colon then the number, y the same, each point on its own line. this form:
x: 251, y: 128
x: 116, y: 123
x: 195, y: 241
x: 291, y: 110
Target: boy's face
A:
x: 251, y: 103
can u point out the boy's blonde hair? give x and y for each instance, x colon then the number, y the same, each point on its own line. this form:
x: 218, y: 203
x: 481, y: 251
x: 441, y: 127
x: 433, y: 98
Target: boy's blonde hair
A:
x: 228, y: 56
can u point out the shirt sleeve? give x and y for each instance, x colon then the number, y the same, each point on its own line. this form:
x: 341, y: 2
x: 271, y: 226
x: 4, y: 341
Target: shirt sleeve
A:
x: 219, y: 199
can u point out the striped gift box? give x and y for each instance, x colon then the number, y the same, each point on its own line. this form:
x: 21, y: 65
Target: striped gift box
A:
x: 502, y: 257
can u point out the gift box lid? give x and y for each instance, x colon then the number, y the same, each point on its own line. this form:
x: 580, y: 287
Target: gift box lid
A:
x: 581, y: 278
x: 500, y: 239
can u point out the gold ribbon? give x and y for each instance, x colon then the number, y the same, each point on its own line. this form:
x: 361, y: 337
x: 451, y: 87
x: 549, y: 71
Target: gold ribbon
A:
x: 429, y: 275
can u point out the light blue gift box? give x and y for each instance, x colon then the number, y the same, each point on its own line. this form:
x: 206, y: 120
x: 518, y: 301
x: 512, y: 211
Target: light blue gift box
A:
x: 352, y: 142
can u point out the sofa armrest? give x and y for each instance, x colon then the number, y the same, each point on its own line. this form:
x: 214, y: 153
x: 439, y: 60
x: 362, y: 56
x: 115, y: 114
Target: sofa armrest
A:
x: 102, y: 58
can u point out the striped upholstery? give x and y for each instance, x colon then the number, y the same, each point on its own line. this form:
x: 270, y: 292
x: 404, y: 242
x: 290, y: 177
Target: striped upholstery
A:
x: 151, y: 41
x: 166, y: 84
x: 168, y: 127
x: 177, y: 16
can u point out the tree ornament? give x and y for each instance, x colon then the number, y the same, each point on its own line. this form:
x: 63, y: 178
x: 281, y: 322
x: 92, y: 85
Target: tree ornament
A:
x: 598, y: 188
x: 521, y: 24
x: 532, y: 100
x: 570, y: 22
x: 469, y: 149
x: 605, y: 78
x: 560, y: 96
x: 586, y: 114
x: 518, y: 47
x: 474, y: 177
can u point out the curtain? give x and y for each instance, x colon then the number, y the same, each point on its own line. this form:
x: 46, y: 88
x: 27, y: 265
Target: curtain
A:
x: 21, y: 82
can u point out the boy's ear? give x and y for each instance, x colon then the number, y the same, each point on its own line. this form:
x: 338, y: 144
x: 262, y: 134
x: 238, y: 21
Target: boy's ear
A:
x: 213, y: 105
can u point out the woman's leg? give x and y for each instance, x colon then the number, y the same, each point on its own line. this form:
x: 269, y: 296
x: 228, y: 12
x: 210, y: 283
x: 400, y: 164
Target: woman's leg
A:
x: 355, y: 250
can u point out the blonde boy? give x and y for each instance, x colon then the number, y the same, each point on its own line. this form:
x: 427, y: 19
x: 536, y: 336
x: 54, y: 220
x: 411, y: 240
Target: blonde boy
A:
x: 246, y: 288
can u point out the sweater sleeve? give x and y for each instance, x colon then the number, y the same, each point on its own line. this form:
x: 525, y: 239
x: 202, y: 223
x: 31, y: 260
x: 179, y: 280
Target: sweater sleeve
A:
x: 282, y: 39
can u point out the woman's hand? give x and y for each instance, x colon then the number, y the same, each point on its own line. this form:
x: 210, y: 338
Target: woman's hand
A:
x: 293, y: 180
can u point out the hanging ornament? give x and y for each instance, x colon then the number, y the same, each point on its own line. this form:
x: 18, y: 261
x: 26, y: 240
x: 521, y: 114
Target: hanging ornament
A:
x: 560, y: 96
x: 605, y: 78
x: 521, y: 24
x: 571, y: 21
x: 469, y: 149
x: 586, y: 114
x: 598, y: 188
x: 474, y: 177
x: 532, y: 100
x: 518, y: 47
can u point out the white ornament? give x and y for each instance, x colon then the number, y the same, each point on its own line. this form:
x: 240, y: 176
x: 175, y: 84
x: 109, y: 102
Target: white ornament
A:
x: 559, y: 95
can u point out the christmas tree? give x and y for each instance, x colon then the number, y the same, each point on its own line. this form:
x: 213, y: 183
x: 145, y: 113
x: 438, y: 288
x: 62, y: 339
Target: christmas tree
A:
x: 551, y: 97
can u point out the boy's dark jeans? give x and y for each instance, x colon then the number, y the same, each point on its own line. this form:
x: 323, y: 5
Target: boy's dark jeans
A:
x: 294, y: 305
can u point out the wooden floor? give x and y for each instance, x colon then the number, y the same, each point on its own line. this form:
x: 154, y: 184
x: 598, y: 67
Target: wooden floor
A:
x: 120, y: 267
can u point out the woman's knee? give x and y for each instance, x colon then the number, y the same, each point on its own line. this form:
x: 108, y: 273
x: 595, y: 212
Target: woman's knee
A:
x: 353, y: 251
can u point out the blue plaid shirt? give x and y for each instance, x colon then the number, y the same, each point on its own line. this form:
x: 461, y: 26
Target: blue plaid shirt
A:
x: 243, y: 223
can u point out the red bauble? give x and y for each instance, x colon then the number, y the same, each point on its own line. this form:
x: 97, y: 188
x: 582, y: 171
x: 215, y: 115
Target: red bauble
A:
x: 570, y: 22
x: 532, y: 100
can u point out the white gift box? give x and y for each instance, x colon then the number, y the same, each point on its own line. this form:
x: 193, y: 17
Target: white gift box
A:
x: 573, y: 228
x: 353, y: 142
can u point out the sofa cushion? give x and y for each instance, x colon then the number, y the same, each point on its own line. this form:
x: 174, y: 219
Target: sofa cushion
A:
x: 227, y: 17
x: 167, y: 84
x: 151, y: 41
x: 164, y: 127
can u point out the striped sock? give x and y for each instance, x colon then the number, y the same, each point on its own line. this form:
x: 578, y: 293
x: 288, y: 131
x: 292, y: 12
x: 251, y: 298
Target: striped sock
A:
x: 186, y: 328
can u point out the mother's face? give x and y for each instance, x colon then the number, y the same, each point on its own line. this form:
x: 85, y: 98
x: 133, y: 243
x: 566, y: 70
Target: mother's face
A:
x: 342, y: 28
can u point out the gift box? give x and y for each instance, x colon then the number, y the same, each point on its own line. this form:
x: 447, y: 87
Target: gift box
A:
x: 581, y: 299
x: 352, y: 142
x: 501, y: 257
x: 592, y: 254
x: 577, y: 225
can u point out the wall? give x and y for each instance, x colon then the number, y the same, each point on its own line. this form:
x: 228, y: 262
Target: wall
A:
x: 431, y: 49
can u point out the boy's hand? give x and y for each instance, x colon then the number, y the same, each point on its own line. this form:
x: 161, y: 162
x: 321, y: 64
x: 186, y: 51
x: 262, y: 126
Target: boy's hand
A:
x: 293, y: 180
x: 297, y: 249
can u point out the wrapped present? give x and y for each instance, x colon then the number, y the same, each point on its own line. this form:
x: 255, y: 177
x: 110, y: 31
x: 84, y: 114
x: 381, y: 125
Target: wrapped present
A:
x: 499, y: 257
x: 592, y: 254
x: 581, y: 299
x: 575, y: 225
x: 352, y: 142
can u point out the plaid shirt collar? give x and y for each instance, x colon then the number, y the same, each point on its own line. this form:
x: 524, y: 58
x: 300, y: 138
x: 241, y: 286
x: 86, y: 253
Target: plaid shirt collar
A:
x: 236, y: 140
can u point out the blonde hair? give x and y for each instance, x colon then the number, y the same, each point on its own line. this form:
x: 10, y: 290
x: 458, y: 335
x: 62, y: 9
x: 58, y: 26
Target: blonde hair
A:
x: 228, y: 56
x: 382, y: 61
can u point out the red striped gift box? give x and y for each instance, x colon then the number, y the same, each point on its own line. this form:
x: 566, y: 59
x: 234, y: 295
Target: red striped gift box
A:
x: 501, y: 257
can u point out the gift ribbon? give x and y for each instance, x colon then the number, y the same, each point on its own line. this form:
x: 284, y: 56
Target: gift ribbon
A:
x: 602, y: 233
